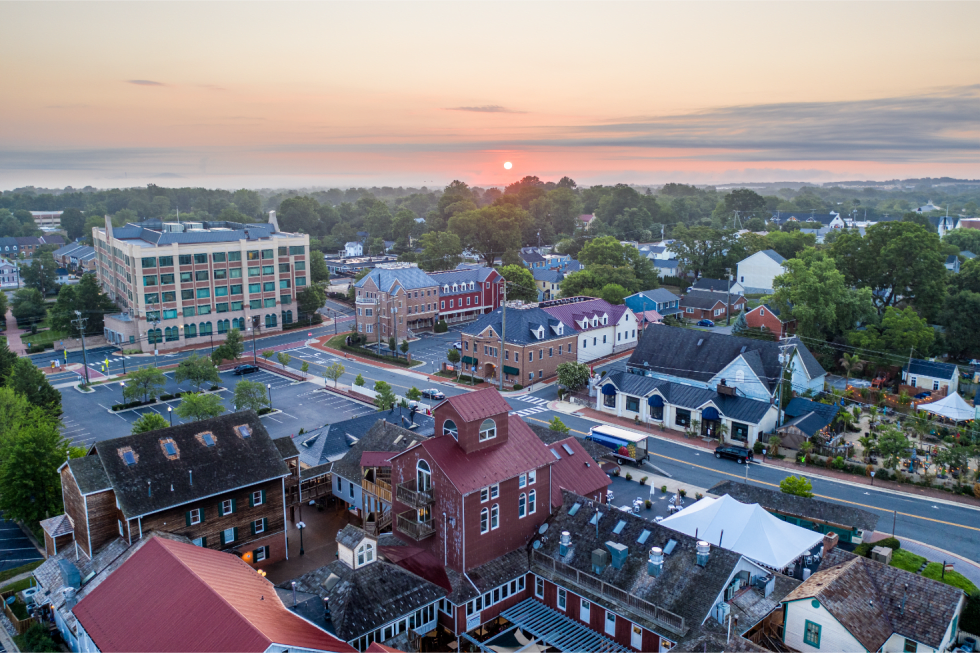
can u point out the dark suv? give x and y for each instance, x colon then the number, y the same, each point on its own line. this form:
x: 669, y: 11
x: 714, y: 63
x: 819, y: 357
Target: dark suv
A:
x: 741, y: 454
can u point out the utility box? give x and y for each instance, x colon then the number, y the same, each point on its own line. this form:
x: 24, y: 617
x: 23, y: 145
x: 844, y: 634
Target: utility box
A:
x: 882, y: 554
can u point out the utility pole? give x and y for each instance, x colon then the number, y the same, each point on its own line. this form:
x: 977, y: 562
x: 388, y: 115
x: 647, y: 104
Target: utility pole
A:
x: 80, y: 321
x: 785, y: 356
x: 503, y: 333
x: 728, y: 309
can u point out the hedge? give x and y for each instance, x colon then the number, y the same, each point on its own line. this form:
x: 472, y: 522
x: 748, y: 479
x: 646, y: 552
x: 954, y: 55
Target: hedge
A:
x: 132, y: 404
x: 441, y: 327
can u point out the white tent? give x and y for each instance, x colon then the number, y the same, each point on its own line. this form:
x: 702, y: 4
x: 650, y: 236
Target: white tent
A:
x: 952, y: 407
x: 744, y: 528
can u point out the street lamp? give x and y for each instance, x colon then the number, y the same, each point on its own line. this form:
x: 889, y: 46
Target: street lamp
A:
x: 269, y: 386
x: 301, y: 525
x: 170, y: 414
x: 872, y: 477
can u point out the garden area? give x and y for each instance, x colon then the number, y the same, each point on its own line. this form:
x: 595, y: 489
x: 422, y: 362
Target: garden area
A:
x: 390, y: 352
x: 917, y: 564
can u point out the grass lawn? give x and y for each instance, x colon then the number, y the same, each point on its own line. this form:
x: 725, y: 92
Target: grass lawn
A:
x: 338, y: 342
x: 907, y: 561
x: 10, y: 573
x: 17, y: 586
x: 43, y: 337
x: 934, y: 571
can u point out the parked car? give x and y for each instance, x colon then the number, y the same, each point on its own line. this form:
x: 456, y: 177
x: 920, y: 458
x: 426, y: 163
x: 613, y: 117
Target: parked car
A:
x: 924, y: 394
x: 457, y: 345
x: 705, y: 323
x: 741, y: 454
x: 245, y: 369
x: 432, y: 393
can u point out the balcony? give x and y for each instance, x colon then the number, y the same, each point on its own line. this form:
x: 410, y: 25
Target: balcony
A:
x: 380, y: 489
x: 368, y: 301
x: 408, y: 494
x: 409, y: 524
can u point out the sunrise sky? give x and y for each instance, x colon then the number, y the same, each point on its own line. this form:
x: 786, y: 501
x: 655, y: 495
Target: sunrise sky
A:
x: 253, y: 94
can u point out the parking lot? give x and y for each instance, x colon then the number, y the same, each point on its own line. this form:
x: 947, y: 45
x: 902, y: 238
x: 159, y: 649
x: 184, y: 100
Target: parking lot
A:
x: 431, y: 348
x: 15, y: 548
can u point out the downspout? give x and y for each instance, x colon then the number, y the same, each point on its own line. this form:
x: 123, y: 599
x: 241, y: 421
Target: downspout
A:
x: 445, y: 542
x: 285, y: 532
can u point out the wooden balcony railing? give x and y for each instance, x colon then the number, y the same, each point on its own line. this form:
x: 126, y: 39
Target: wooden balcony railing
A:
x: 409, y: 524
x: 409, y: 495
x: 380, y: 489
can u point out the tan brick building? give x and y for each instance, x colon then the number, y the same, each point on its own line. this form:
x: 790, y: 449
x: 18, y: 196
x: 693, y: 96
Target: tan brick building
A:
x: 393, y: 300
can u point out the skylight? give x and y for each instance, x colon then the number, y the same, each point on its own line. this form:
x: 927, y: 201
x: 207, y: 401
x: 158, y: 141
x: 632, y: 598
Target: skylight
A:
x: 595, y: 518
x: 642, y: 539
x: 700, y: 341
x: 208, y: 439
x: 555, y: 453
x: 568, y: 449
x: 619, y: 527
x: 670, y: 547
x: 129, y: 458
x: 170, y: 448
x: 245, y: 431
x: 744, y: 347
x: 574, y: 509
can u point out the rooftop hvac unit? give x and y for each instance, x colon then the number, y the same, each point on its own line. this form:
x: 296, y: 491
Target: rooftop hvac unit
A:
x: 194, y: 225
x: 722, y: 610
x: 173, y: 227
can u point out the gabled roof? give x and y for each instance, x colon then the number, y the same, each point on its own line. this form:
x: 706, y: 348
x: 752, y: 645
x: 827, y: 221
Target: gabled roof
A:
x: 531, y: 257
x: 89, y: 474
x: 791, y: 504
x: 551, y: 276
x: 703, y: 299
x: 332, y: 441
x: 774, y: 255
x: 873, y: 600
x: 520, y: 322
x: 767, y: 307
x: 572, y: 313
x: 385, y: 279
x: 477, y: 406
x: 809, y: 416
x: 381, y: 436
x: 661, y: 295
x: 172, y: 596
x: 156, y: 482
x: 931, y: 368
x: 57, y: 526
x: 575, y: 471
x: 586, y: 217
x: 476, y: 274
x: 715, y: 285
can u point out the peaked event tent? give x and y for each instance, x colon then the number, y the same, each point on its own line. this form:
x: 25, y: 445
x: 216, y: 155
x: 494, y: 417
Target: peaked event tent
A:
x: 748, y: 529
x: 952, y: 407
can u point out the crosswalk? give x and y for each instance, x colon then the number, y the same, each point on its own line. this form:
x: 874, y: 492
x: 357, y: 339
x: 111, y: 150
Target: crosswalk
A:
x: 541, y: 405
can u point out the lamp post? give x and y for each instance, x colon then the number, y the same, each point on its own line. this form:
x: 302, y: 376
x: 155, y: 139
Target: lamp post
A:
x: 872, y: 477
x: 170, y: 414
x: 301, y: 525
x: 269, y: 386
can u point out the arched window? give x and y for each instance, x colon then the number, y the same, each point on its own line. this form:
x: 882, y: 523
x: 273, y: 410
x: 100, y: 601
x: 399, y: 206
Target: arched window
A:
x: 488, y: 430
x: 484, y: 521
x: 522, y: 505
x: 270, y: 320
x: 205, y: 328
x: 365, y: 553
x: 531, y: 502
x: 222, y: 326
x: 494, y: 516
x: 739, y: 376
x: 423, y: 476
x: 449, y: 428
x: 190, y: 331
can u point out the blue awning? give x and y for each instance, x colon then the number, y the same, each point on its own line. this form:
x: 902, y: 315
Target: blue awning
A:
x: 557, y: 630
x: 609, y: 390
x: 655, y: 401
x: 710, y: 413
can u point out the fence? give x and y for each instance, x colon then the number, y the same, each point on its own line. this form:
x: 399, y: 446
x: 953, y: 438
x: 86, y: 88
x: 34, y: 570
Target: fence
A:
x: 20, y: 626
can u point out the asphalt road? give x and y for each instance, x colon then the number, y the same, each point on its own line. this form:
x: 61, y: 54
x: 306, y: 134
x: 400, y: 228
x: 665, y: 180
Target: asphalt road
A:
x: 15, y: 548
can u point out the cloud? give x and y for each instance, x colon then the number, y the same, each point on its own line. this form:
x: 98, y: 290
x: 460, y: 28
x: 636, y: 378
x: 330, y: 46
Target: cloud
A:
x: 144, y: 82
x: 486, y: 108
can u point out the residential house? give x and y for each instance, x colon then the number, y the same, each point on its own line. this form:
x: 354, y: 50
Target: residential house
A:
x: 222, y: 483
x: 548, y: 283
x: 481, y: 288
x: 603, y: 328
x: 667, y: 268
x: 767, y: 317
x: 967, y: 254
x: 856, y: 604
x: 660, y: 300
x: 953, y: 263
x: 77, y: 259
x: 536, y: 343
x: 9, y: 274
x: 850, y: 524
x: 756, y: 273
x: 723, y: 286
x: 586, y: 220
x: 931, y: 375
x: 831, y: 220
x: 174, y: 596
x: 394, y: 299
x: 702, y: 304
x: 655, y: 252
x: 365, y: 600
x: 25, y: 246
x: 353, y: 249
x: 532, y: 258
x: 554, y: 261
x: 807, y: 421
x: 573, y: 266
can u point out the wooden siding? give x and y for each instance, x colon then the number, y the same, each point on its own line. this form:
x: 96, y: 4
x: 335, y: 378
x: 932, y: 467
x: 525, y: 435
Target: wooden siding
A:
x: 75, y: 508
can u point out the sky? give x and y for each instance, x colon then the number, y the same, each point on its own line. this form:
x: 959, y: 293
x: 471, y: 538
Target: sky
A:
x: 291, y: 94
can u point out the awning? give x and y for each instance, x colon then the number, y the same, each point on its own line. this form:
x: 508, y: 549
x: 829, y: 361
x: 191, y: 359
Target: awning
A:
x: 609, y: 390
x: 513, y: 371
x: 554, y: 628
x: 952, y: 407
x: 655, y: 401
x: 468, y: 360
x: 710, y: 413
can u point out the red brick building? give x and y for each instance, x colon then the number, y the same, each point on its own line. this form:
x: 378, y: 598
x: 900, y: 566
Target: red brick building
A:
x: 706, y: 305
x: 467, y: 293
x: 766, y: 317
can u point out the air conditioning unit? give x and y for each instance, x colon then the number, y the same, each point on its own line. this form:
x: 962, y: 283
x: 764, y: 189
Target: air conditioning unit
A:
x: 722, y: 610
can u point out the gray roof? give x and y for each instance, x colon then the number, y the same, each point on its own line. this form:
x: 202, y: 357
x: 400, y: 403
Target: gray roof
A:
x: 951, y: 259
x: 659, y: 295
x: 551, y: 276
x: 332, y: 441
x: 670, y: 264
x: 573, y: 266
x: 477, y: 275
x: 151, y: 231
x: 931, y: 368
x: 286, y: 447
x: 774, y: 255
x: 89, y: 474
x: 809, y: 416
x: 740, y: 409
x: 714, y: 285
x: 703, y: 299
x: 520, y: 322
x: 381, y: 436
x: 350, y: 536
x: 409, y: 278
x: 796, y: 506
x: 155, y: 482
x: 531, y: 257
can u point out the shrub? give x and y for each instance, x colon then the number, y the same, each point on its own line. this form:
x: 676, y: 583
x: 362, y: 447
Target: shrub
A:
x: 643, y: 481
x: 865, y: 548
x: 648, y: 503
x: 758, y: 447
x: 839, y: 462
x: 441, y: 327
x: 663, y: 489
x: 682, y: 492
x: 629, y: 477
x: 698, y: 496
x: 518, y: 386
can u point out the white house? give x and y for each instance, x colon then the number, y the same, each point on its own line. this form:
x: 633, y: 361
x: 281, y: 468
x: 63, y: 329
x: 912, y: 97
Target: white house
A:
x: 603, y: 328
x: 756, y: 273
x: 931, y: 375
x: 353, y: 249
x: 9, y: 274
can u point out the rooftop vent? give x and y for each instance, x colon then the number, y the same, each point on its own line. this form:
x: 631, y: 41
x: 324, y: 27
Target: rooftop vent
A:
x: 655, y: 565
x: 564, y: 543
x: 619, y: 554
x: 703, y: 550
x: 600, y: 560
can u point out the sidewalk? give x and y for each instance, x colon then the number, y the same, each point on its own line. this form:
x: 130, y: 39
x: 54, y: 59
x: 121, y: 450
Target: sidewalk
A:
x: 14, y: 342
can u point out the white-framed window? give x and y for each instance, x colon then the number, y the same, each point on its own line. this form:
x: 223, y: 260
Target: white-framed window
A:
x: 522, y: 480
x: 228, y: 535
x: 484, y: 495
x: 562, y: 599
x: 539, y: 587
x: 258, y: 526
x: 584, y: 611
x: 690, y: 310
x: 365, y: 553
x: 532, y: 501
x: 257, y: 498
x: 522, y: 505
x: 194, y: 517
x: 227, y: 507
x: 494, y: 490
x: 494, y: 516
x: 488, y: 430
x: 532, y: 476
x: 762, y: 312
x: 484, y: 521
x: 935, y: 385
x: 259, y: 554
x: 120, y: 528
x: 449, y: 428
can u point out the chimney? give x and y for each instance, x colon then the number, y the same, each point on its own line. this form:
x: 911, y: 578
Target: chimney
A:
x: 600, y: 560
x: 70, y: 600
x: 829, y: 541
x: 703, y: 550
x: 564, y: 543
x: 619, y: 553
x: 655, y: 565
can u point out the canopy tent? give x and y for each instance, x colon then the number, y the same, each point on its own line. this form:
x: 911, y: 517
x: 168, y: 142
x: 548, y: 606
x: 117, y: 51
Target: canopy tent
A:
x: 952, y: 407
x: 745, y: 528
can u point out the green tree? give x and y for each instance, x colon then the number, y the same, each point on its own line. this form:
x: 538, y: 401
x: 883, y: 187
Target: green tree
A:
x: 318, y: 268
x: 310, y: 300
x: 267, y: 354
x: 28, y: 307
x: 613, y: 293
x: 231, y: 349
x: 573, y: 375
x: 88, y: 299
x: 196, y: 407
x: 198, y: 370
x: 959, y: 317
x: 558, y: 426
x: 385, y: 398
x: 967, y: 240
x: 150, y: 422
x: 520, y: 283
x: 892, y: 445
x: 73, y: 222
x: 609, y: 252
x: 796, y: 485
x: 700, y: 249
x: 392, y: 344
x: 3, y: 306
x: 41, y: 274
x: 335, y: 371
x: 404, y: 346
x: 414, y: 394
x: 283, y: 359
x: 144, y: 384
x: 250, y: 395
x: 25, y: 378
x: 453, y: 357
x: 30, y: 485
x: 593, y: 279
x: 304, y: 368
x: 745, y: 201
x: 490, y: 231
x: 441, y: 250
x: 14, y: 409
x: 851, y: 363
x: 7, y: 361
x: 299, y: 214
x: 359, y: 380
x: 899, y: 331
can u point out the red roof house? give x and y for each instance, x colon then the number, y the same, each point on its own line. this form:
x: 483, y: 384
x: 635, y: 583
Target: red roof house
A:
x: 766, y: 317
x: 576, y: 472
x: 173, y: 596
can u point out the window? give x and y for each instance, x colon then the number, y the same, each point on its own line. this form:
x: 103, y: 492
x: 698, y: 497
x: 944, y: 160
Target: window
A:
x: 532, y: 502
x: 204, y: 309
x: 551, y: 351
x: 186, y: 294
x: 170, y: 296
x: 530, y: 357
x: 150, y: 280
x: 522, y: 505
x: 227, y: 507
x: 539, y: 587
x: 189, y: 311
x: 935, y: 385
x: 365, y: 554
x: 267, y: 253
x: 235, y: 273
x: 484, y: 521
x: 297, y: 250
x: 636, y: 639
x: 258, y: 526
x: 683, y: 417
x: 170, y: 314
x: 234, y: 256
x: 300, y: 266
x: 221, y: 291
x: 237, y: 306
x: 585, y: 343
x: 169, y: 447
x: 270, y: 303
x: 255, y: 287
x: 811, y: 634
x: 584, y: 611
x: 260, y: 554
x: 494, y: 516
x: 495, y: 491
x: 218, y: 257
x: 531, y: 477
x: 913, y: 382
x: 268, y: 269
x: 208, y: 439
x: 166, y: 279
x: 201, y: 258
x: 690, y: 310
x: 633, y: 404
x: 194, y: 517
x: 449, y: 428
x: 603, y: 339
x: 228, y: 536
x: 488, y: 430
x: 762, y: 312
x: 484, y: 495
x: 269, y: 286
x: 221, y: 274
x: 284, y: 283
x: 185, y: 277
x: 149, y: 262
x: 203, y: 293
x: 236, y: 289
x: 120, y: 528
x: 254, y: 272
x: 610, y: 623
x: 562, y: 599
x: 201, y: 275
x: 284, y: 268
x: 151, y: 298
x: 443, y: 304
x: 258, y: 498
x: 166, y: 261
x: 522, y: 480
x: 910, y: 645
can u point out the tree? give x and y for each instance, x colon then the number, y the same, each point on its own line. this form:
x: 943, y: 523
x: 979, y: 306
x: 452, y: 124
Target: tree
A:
x: 359, y: 380
x: 441, y: 250
x: 73, y: 222
x: 965, y: 240
x: 30, y: 485
x: 892, y: 445
x: 196, y: 407
x: 150, y: 422
x: 593, y: 279
x: 899, y: 331
x: 14, y: 410
x: 959, y: 318
x: 198, y: 370
x: 851, y: 363
x: 310, y: 300
x: 404, y: 347
x: 318, y: 268
x: 609, y: 252
x: 7, y: 361
x: 744, y: 201
x: 414, y: 394
x: 144, y: 384
x: 558, y: 426
x: 796, y: 485
x: 573, y: 375
x: 26, y: 379
x: 335, y: 371
x: 453, y: 357
x: 267, y: 354
x: 385, y: 398
x: 613, y: 293
x: 230, y: 349
x: 304, y: 368
x: 28, y: 306
x: 88, y: 299
x: 700, y: 249
x: 392, y: 344
x: 250, y: 395
x: 283, y: 359
x: 491, y: 231
x: 520, y: 283
x: 299, y: 214
x: 41, y: 274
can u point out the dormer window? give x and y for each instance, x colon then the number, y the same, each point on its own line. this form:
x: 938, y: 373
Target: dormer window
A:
x: 595, y: 322
x: 488, y: 430
x: 365, y: 554
x: 449, y: 428
x: 445, y: 288
x: 455, y: 287
x: 471, y: 285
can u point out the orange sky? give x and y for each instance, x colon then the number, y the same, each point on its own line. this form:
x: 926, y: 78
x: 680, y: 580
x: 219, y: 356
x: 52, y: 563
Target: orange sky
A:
x: 408, y: 93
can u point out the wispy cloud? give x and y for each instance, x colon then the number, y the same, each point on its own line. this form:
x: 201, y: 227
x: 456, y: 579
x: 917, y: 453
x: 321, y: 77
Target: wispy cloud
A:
x: 144, y: 82
x: 486, y: 108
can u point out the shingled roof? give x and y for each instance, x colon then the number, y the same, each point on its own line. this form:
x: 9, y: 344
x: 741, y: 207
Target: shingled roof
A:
x: 809, y: 416
x: 704, y: 299
x: 332, y: 441
x: 382, y: 436
x: 796, y: 506
x: 520, y: 323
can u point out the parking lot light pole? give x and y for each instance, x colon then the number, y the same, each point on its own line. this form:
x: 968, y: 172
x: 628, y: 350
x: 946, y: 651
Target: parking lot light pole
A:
x: 301, y: 526
x: 170, y: 413
x: 269, y: 386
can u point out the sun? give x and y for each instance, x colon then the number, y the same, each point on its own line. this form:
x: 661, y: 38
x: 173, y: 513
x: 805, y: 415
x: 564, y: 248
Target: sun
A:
x: 508, y: 165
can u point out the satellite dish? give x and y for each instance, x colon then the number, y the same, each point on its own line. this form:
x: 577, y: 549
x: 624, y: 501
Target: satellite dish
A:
x: 543, y: 529
x: 536, y: 545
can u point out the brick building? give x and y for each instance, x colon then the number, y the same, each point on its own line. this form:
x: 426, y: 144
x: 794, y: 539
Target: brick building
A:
x: 222, y: 483
x: 392, y: 300
x: 467, y: 293
x: 707, y: 305
x: 766, y: 317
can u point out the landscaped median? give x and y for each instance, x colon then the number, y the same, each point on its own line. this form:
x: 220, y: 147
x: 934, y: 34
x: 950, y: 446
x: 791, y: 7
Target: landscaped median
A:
x: 339, y: 343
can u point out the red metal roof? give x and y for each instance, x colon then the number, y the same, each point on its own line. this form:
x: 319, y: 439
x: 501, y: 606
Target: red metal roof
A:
x: 376, y: 458
x: 375, y: 647
x: 172, y: 596
x: 420, y: 562
x: 479, y: 405
x: 522, y: 451
x: 577, y: 472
